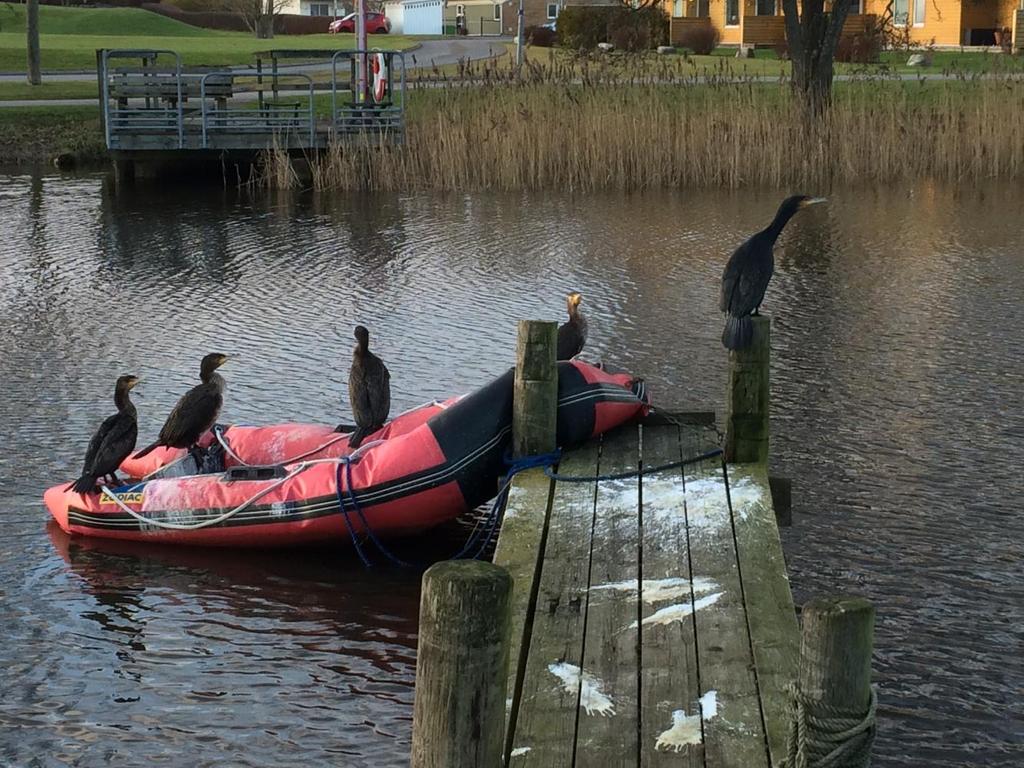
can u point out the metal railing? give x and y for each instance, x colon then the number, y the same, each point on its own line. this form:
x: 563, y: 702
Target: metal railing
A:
x: 264, y: 118
x: 125, y: 119
x: 362, y: 114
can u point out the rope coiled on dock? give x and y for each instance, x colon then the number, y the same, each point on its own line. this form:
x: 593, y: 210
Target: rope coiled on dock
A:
x: 821, y: 736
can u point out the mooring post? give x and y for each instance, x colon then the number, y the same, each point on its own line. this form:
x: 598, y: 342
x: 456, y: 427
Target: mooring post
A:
x: 535, y: 394
x: 462, y: 665
x: 834, y: 687
x: 782, y: 499
x: 746, y: 428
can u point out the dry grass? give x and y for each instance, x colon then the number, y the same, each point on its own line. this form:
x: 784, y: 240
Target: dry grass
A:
x: 585, y: 126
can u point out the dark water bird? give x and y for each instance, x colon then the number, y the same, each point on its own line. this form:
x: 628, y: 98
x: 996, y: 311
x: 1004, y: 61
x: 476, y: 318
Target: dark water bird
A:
x: 113, y: 441
x: 196, y: 411
x: 369, y: 389
x: 746, y: 276
x: 572, y: 334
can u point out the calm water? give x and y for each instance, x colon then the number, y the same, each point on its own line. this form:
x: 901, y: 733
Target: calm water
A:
x: 899, y: 367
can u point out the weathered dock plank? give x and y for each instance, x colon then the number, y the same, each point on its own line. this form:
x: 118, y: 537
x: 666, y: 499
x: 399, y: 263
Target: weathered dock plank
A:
x: 549, y: 695
x: 659, y: 620
x: 773, y: 626
x: 670, y: 733
x: 730, y: 705
x: 520, y: 549
x: 607, y: 732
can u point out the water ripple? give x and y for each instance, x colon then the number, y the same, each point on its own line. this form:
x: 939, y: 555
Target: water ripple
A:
x: 898, y: 368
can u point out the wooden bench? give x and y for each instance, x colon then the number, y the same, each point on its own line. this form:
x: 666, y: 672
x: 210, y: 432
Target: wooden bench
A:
x: 160, y: 85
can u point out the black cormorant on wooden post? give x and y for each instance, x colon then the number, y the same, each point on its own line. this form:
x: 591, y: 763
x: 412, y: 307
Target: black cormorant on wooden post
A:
x: 196, y: 411
x: 369, y: 389
x: 746, y: 276
x: 113, y: 441
x: 572, y: 334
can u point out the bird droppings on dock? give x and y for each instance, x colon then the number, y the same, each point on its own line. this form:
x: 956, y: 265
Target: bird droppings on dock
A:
x: 658, y: 590
x: 618, y: 494
x: 519, y: 751
x: 677, y: 612
x: 513, y: 493
x: 592, y: 699
x: 686, y: 729
x: 707, y: 506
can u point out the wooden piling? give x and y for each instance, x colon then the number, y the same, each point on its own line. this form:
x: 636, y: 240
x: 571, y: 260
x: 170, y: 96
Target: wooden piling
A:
x: 461, y: 665
x: 535, y: 404
x: 835, y: 662
x: 746, y: 432
x: 782, y: 499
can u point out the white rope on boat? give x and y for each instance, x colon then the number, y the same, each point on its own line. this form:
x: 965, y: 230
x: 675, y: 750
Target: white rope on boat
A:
x: 224, y: 443
x: 231, y: 512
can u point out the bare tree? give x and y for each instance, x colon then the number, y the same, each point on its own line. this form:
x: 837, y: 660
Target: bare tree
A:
x: 812, y: 34
x: 259, y: 15
x: 32, y: 43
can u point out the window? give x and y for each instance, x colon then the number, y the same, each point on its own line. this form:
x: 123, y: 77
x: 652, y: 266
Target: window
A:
x: 919, y: 13
x: 855, y: 7
x: 677, y: 8
x: 765, y: 7
x: 732, y: 12
x: 319, y: 9
x: 497, y: 12
x: 552, y: 10
x: 900, y: 9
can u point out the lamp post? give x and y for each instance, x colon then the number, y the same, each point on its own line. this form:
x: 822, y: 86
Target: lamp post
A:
x: 361, y: 46
x: 520, y: 31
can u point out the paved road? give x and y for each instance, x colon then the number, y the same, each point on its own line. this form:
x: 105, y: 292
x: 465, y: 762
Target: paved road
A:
x: 428, y: 52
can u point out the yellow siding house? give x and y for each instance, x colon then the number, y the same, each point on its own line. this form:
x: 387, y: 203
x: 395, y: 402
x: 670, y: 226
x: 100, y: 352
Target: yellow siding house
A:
x: 944, y: 23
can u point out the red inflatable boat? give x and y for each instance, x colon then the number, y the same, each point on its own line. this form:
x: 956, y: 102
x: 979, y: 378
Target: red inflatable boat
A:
x: 294, y: 484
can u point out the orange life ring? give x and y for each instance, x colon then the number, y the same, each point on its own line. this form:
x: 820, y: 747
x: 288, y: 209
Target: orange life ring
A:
x: 380, y: 77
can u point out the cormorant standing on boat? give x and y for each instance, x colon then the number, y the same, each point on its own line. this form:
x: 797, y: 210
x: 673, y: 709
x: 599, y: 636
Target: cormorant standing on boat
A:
x: 746, y: 276
x: 369, y: 389
x: 113, y: 441
x: 196, y: 411
x: 572, y: 334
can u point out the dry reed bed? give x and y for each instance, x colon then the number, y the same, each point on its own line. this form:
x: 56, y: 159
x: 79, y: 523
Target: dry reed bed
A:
x: 629, y: 127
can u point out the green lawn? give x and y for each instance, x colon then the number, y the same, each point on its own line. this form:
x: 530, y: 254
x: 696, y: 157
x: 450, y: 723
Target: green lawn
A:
x: 49, y: 90
x: 70, y: 36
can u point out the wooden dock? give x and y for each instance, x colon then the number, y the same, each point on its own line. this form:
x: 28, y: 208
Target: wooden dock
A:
x: 153, y: 108
x: 652, y: 618
x: 645, y: 621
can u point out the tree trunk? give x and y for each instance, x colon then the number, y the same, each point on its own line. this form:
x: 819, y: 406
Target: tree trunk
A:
x: 813, y: 38
x: 265, y: 27
x: 269, y: 17
x: 32, y: 32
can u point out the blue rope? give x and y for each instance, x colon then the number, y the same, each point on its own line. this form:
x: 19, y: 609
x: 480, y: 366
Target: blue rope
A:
x: 346, y: 462
x: 344, y: 512
x: 632, y: 473
x: 491, y: 520
x: 476, y: 543
x: 366, y: 525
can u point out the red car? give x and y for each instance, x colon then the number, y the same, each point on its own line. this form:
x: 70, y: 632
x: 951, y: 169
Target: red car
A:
x: 376, y: 24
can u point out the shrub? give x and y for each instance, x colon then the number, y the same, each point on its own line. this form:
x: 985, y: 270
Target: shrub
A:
x: 863, y: 47
x: 628, y: 29
x: 701, y: 40
x: 581, y: 27
x: 542, y: 37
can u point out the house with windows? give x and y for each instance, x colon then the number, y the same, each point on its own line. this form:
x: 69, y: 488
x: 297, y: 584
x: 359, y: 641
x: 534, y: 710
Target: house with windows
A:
x: 539, y: 12
x: 333, y: 8
x: 944, y: 23
x: 474, y: 17
x: 444, y: 17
